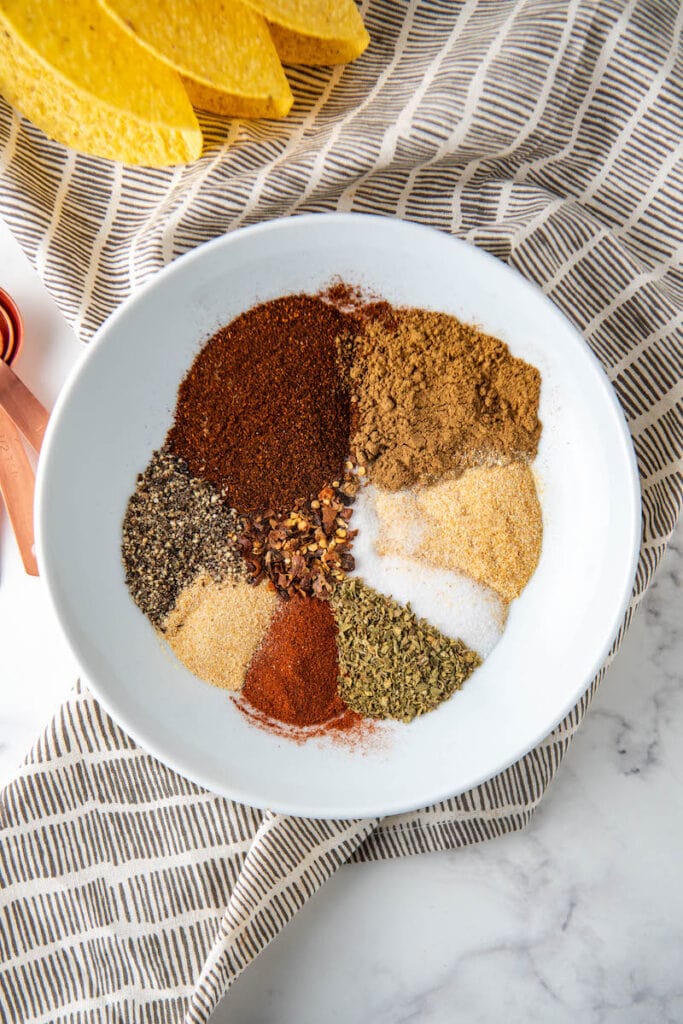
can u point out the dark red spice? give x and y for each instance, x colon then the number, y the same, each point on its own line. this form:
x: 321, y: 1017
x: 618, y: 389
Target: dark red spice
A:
x: 308, y: 550
x: 352, y: 299
x: 264, y: 411
x: 343, y: 295
x: 293, y: 676
x: 348, y: 729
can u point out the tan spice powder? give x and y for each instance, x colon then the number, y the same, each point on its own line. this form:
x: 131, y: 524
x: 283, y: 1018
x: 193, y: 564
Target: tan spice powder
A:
x: 435, y: 396
x: 487, y: 524
x: 215, y: 628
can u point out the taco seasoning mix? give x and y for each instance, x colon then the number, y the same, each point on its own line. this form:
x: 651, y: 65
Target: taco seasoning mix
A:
x: 238, y: 540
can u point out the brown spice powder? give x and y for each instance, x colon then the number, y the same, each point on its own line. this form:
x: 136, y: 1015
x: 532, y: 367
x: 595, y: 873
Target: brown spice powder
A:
x: 436, y: 396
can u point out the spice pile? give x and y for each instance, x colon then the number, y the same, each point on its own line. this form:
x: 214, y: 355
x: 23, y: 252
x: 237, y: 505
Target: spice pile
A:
x: 394, y: 665
x: 313, y: 432
x: 265, y: 412
x: 307, y: 550
x: 176, y: 526
x: 436, y: 397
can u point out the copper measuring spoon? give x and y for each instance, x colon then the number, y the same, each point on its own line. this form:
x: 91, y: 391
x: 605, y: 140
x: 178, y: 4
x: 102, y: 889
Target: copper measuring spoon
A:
x: 20, y: 413
x: 24, y: 408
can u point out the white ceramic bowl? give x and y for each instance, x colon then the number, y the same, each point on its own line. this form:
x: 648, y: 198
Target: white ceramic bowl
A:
x: 116, y: 410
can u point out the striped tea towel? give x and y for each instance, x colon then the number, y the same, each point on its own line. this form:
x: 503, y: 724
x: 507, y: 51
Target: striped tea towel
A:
x: 547, y: 131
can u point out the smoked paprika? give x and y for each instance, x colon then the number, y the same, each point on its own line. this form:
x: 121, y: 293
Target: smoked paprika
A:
x: 293, y: 676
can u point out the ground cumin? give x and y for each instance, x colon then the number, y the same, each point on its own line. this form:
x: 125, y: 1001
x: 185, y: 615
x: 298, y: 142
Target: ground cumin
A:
x: 435, y: 396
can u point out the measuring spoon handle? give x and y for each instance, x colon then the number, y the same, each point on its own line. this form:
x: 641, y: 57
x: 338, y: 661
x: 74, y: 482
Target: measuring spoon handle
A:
x: 17, y: 485
x: 22, y: 405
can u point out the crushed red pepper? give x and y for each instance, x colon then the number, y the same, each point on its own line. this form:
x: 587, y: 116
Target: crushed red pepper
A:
x: 306, y: 551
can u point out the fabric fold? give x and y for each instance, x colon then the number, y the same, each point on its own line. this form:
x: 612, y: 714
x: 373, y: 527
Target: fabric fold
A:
x: 290, y: 859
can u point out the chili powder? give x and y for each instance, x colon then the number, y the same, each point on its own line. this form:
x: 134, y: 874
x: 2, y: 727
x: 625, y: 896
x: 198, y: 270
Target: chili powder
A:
x: 293, y: 676
x: 264, y: 411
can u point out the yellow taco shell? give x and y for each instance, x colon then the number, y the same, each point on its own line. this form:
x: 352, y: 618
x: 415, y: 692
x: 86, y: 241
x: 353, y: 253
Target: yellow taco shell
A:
x: 72, y: 70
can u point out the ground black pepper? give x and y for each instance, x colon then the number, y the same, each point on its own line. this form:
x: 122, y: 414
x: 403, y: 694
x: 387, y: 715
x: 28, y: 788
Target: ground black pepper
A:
x: 264, y: 411
x: 175, y: 527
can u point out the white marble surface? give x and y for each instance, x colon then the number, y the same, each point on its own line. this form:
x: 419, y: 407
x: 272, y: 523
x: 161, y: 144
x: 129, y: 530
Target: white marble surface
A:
x: 579, y: 919
x: 37, y: 667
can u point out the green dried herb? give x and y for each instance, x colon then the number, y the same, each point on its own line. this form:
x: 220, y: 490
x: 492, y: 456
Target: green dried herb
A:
x: 392, y: 664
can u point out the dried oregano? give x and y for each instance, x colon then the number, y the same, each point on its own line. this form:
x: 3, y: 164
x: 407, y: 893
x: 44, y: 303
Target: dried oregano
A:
x: 392, y: 664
